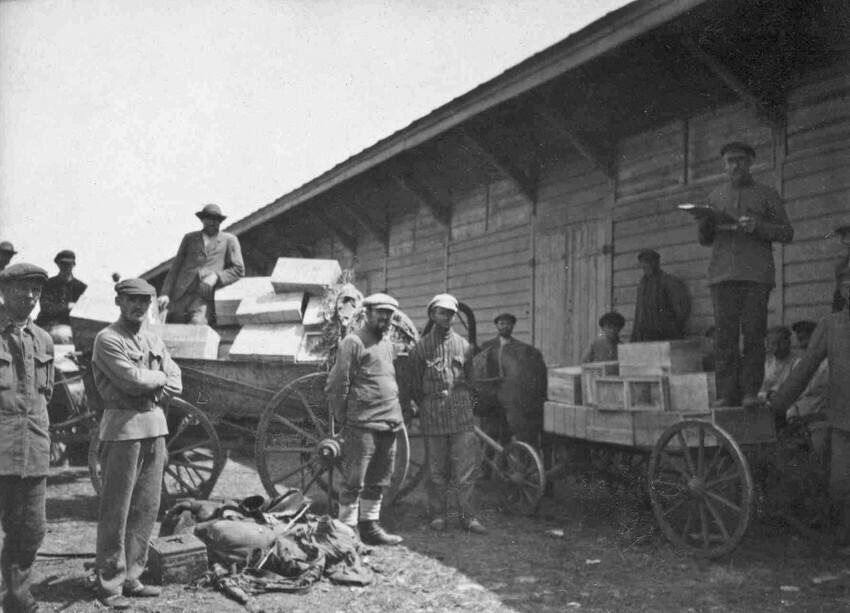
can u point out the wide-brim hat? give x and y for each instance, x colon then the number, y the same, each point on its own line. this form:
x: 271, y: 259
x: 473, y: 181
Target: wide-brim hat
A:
x: 21, y: 272
x: 211, y: 210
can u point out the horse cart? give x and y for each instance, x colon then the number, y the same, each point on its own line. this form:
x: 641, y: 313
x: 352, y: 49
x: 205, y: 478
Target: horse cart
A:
x: 704, y: 467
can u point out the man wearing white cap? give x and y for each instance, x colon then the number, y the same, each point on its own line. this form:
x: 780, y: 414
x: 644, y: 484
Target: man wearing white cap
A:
x: 440, y: 364
x: 363, y: 393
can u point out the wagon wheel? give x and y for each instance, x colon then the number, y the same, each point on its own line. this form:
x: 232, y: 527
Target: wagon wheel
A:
x: 520, y: 471
x: 195, y: 455
x: 409, y: 466
x: 700, y: 487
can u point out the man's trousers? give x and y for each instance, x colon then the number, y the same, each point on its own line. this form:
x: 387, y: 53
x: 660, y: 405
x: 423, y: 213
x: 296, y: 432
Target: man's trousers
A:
x: 129, y: 503
x: 368, y: 460
x: 23, y: 518
x: 740, y: 309
x: 452, y: 468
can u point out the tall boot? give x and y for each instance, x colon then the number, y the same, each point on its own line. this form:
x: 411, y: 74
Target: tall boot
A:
x: 371, y: 532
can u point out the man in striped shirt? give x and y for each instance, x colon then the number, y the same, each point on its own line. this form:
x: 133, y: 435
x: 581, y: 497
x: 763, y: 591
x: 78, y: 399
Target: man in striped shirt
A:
x: 440, y: 364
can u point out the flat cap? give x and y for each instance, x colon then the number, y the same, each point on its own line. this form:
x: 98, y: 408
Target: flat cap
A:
x: 737, y: 146
x: 380, y: 301
x: 135, y: 287
x: 66, y: 255
x: 210, y: 210
x: 612, y: 317
x: 446, y: 301
x: 648, y: 254
x: 7, y: 246
x: 21, y: 272
x: 509, y: 316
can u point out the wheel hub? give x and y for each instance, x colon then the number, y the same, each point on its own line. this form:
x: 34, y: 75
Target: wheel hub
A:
x: 329, y: 450
x: 696, y: 486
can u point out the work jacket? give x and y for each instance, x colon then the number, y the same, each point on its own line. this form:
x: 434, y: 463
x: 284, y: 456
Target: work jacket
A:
x: 194, y: 261
x: 735, y: 254
x: 26, y: 384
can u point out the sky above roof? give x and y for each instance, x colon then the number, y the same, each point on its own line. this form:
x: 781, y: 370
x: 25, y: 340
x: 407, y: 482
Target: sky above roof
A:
x: 120, y: 118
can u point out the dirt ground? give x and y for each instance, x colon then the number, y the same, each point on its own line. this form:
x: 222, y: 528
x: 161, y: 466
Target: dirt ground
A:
x: 589, y: 549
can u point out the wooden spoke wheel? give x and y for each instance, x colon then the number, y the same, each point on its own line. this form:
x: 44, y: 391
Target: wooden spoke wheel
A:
x: 195, y: 455
x: 520, y: 470
x: 701, y: 488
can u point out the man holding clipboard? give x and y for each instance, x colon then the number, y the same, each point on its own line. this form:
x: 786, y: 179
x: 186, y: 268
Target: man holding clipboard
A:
x: 741, y: 222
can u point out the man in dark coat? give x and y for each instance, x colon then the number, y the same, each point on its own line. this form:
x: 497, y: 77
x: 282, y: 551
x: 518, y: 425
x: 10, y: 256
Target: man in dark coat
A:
x: 60, y: 292
x: 663, y: 305
x: 206, y: 260
x: 748, y: 218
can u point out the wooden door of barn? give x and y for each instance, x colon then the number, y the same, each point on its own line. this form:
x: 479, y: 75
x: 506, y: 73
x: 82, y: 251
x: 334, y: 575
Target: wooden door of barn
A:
x: 572, y: 289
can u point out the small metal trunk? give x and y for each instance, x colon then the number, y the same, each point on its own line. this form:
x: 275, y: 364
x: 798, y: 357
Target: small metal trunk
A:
x: 177, y: 559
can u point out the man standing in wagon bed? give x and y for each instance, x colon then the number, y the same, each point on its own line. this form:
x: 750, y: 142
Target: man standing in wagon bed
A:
x: 741, y: 272
x: 135, y: 376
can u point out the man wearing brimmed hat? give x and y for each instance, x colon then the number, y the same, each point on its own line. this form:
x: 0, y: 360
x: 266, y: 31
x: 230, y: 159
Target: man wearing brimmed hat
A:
x: 26, y: 384
x: 363, y: 393
x: 60, y: 292
x: 741, y: 272
x: 6, y: 253
x: 440, y: 367
x: 520, y: 394
x: 206, y: 260
x: 831, y: 341
x: 662, y: 304
x: 135, y: 377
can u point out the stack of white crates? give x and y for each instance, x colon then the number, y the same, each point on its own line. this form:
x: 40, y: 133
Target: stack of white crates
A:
x: 279, y: 317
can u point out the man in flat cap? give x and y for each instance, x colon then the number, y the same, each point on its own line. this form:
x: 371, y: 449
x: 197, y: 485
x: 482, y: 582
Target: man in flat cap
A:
x: 26, y: 384
x: 6, y: 253
x: 135, y: 377
x: 364, y: 396
x: 663, y: 304
x: 831, y: 341
x: 206, y: 260
x: 60, y: 292
x: 520, y: 394
x: 741, y: 272
x: 440, y: 366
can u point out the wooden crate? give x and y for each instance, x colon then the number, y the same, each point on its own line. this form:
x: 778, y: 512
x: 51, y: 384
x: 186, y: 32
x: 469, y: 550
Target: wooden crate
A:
x: 632, y: 393
x: 311, y: 275
x: 179, y: 558
x: 272, y: 308
x: 565, y: 384
x: 692, y: 393
x: 660, y: 358
x: 610, y: 427
x: 592, y: 371
x: 228, y: 298
x: 559, y: 418
x: 268, y: 343
x: 189, y: 341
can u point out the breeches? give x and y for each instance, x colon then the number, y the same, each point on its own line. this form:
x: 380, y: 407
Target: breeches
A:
x: 368, y: 460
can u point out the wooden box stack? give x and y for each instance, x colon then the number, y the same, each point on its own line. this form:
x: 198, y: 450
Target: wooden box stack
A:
x: 228, y: 298
x: 565, y: 384
x: 179, y: 558
x: 189, y: 341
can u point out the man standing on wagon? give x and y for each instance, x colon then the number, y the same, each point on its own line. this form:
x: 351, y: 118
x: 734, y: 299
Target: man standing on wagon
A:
x: 363, y: 394
x: 440, y: 366
x: 206, y: 260
x: 741, y: 272
x: 135, y: 377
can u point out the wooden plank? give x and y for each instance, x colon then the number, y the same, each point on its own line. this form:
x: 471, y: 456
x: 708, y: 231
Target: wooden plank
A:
x: 615, y: 427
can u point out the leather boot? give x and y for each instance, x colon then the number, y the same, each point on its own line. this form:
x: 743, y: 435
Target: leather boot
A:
x: 371, y: 533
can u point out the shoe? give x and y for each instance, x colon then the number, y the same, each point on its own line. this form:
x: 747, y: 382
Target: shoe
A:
x: 438, y: 524
x: 750, y: 401
x: 474, y: 526
x: 371, y: 533
x: 140, y: 590
x: 115, y: 601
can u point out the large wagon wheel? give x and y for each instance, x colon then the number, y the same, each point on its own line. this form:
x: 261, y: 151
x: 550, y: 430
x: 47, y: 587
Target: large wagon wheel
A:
x: 195, y: 455
x: 298, y: 445
x: 519, y: 470
x: 700, y: 487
